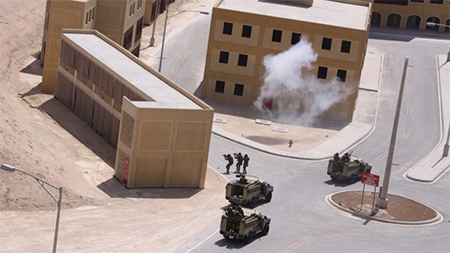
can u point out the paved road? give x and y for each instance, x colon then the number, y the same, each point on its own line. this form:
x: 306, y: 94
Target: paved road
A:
x: 184, y: 61
x: 302, y: 220
x: 418, y: 131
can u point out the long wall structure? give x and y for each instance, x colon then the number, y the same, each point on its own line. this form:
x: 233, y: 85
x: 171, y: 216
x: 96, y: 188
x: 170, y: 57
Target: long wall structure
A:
x: 161, y: 132
x: 242, y: 33
x: 412, y: 14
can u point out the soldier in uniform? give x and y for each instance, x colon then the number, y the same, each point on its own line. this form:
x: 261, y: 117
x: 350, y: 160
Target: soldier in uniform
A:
x: 346, y: 157
x: 245, y: 165
x: 239, y: 159
x: 230, y: 160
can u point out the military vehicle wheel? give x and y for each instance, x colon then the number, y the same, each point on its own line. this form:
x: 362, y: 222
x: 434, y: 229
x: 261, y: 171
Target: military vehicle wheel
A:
x: 266, y: 229
x: 269, y: 197
x: 249, y: 237
x: 253, y: 202
x: 353, y: 178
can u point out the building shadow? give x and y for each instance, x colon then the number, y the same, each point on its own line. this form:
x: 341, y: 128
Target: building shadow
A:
x: 198, y: 91
x: 33, y: 68
x: 287, y: 3
x: 114, y: 189
x: 36, y: 90
x: 78, y: 129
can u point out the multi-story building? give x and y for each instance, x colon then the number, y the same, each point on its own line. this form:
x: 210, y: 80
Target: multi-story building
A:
x: 151, y: 13
x: 242, y: 33
x: 120, y: 20
x: 412, y: 14
x: 161, y: 132
x: 59, y: 15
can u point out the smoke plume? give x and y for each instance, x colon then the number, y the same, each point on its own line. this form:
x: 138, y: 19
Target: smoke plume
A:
x: 298, y: 98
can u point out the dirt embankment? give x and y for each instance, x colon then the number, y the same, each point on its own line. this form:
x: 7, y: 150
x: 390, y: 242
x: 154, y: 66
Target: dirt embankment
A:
x: 30, y: 139
x: 39, y: 135
x: 42, y: 137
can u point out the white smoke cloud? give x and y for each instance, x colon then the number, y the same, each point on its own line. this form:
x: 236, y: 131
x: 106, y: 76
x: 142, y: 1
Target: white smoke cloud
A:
x: 299, y: 99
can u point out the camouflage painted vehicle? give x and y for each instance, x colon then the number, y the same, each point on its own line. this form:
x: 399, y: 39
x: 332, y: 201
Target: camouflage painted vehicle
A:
x: 347, y: 168
x: 247, y: 190
x: 243, y: 223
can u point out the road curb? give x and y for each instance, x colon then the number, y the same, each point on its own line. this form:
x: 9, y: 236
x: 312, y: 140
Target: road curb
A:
x: 315, y: 154
x: 433, y: 221
x: 424, y: 170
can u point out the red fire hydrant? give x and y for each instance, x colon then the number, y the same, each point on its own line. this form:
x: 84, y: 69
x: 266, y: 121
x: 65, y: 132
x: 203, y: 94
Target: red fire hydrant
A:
x: 290, y: 143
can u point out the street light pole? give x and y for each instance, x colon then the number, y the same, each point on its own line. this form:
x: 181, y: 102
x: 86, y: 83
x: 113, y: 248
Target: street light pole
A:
x: 163, y: 39
x: 382, y: 199
x: 58, y: 213
x: 152, y: 39
x: 10, y: 168
x: 446, y: 146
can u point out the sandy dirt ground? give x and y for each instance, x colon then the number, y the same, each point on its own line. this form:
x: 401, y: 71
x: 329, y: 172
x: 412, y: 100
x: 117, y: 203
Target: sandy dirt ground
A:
x: 40, y: 136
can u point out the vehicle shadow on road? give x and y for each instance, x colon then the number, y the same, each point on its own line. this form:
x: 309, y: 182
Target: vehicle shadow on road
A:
x: 236, y: 244
x: 338, y: 183
x: 114, y: 189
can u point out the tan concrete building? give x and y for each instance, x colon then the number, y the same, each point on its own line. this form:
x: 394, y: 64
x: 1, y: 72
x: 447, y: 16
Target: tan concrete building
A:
x: 62, y: 14
x: 161, y: 132
x: 150, y: 15
x: 412, y: 14
x: 150, y: 7
x: 242, y: 33
x: 120, y: 20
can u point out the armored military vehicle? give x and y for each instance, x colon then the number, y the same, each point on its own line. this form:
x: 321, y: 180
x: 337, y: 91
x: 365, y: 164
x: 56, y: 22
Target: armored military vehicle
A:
x: 247, y: 190
x: 347, y: 167
x: 242, y: 223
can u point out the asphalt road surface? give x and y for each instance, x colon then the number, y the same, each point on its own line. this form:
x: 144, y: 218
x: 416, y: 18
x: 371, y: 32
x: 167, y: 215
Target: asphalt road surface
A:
x: 301, y: 219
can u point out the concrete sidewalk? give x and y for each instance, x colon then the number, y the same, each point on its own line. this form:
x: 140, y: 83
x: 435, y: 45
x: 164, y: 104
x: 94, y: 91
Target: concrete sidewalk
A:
x: 339, y: 139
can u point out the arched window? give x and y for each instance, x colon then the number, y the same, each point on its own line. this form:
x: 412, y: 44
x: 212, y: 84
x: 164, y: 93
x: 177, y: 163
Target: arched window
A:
x: 376, y: 19
x: 434, y: 20
x: 394, y: 20
x: 413, y: 22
